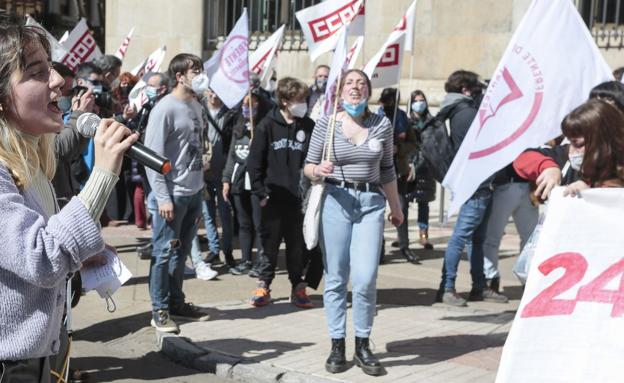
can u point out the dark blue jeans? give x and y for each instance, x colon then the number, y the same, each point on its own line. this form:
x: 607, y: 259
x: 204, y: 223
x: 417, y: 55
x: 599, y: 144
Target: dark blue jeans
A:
x: 172, y: 243
x: 469, y: 231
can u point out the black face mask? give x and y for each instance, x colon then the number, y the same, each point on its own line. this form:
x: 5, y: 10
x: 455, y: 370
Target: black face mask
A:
x: 125, y: 91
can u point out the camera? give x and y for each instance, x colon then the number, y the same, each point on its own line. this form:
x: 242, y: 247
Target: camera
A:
x: 103, y: 97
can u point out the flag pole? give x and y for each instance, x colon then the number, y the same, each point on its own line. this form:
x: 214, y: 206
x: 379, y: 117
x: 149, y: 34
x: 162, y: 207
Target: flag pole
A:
x: 332, y: 126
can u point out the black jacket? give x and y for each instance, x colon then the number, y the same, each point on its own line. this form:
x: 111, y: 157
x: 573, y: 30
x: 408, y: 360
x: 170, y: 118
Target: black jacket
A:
x: 236, y: 163
x: 460, y: 113
x: 277, y: 155
x: 559, y: 153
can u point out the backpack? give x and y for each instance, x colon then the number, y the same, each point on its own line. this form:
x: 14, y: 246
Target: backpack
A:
x: 436, y: 147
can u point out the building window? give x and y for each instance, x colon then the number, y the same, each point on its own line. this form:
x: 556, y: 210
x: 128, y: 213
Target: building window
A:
x: 605, y: 20
x: 265, y: 16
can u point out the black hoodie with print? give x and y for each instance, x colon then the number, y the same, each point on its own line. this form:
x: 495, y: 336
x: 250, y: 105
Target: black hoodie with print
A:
x: 277, y: 155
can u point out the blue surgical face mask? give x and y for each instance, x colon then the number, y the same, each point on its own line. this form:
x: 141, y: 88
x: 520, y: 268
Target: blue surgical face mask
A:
x: 419, y: 106
x: 355, y: 110
x: 151, y: 93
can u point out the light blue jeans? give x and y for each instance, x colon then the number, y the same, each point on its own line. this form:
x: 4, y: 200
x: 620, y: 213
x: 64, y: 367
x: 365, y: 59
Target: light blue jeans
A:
x: 352, y: 224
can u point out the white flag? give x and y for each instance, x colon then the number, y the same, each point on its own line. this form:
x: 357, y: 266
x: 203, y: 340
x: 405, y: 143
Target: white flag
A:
x: 121, y: 52
x: 548, y: 68
x: 152, y: 63
x: 230, y: 78
x: 262, y: 60
x: 354, y: 52
x: 340, y: 62
x: 407, y: 25
x: 322, y: 22
x: 81, y: 46
x: 58, y: 51
x: 384, y: 69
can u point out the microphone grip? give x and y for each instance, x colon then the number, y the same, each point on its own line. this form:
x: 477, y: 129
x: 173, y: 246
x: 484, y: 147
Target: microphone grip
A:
x: 149, y: 158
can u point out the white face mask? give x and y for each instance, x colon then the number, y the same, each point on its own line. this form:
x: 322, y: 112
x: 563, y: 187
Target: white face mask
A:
x: 200, y: 84
x: 576, y: 161
x: 298, y: 110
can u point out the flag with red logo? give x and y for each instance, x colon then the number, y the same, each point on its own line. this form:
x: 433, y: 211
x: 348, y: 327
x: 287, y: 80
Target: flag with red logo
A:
x: 262, y: 60
x: 81, y: 46
x: 229, y: 76
x: 321, y: 23
x: 152, y: 63
x: 384, y: 69
x: 548, y: 69
x: 121, y: 52
x: 58, y: 50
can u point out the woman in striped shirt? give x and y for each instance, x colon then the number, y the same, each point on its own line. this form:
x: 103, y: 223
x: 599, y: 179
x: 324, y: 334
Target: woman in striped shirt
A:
x: 359, y: 178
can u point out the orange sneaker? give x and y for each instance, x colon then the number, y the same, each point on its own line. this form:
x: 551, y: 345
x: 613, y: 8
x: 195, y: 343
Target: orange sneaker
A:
x: 300, y: 298
x: 260, y: 297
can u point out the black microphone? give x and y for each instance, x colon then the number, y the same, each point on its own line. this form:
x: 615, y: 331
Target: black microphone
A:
x: 87, y: 125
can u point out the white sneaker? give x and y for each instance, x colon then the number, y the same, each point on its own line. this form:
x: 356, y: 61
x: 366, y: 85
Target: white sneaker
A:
x: 204, y: 272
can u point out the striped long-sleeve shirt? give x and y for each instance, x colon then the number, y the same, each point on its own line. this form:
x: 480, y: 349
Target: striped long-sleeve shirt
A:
x: 371, y: 161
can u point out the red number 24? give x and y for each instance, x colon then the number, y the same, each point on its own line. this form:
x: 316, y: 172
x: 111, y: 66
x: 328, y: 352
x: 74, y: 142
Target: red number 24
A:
x: 575, y: 266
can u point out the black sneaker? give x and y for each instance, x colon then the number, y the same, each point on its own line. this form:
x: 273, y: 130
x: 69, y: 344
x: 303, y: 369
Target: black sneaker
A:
x: 241, y: 269
x: 253, y: 272
x: 212, y: 258
x: 487, y: 295
x: 189, y: 312
x: 144, y: 251
x: 161, y: 322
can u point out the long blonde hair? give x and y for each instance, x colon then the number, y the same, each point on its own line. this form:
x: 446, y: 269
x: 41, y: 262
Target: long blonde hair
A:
x: 21, y: 154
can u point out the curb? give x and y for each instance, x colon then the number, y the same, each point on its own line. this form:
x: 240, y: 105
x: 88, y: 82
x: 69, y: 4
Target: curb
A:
x: 181, y: 350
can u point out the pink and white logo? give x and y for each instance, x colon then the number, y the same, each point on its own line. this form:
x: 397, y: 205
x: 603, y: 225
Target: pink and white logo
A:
x: 503, y: 91
x: 234, y: 59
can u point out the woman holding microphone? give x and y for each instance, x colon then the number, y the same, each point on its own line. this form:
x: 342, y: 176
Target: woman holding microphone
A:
x: 41, y: 245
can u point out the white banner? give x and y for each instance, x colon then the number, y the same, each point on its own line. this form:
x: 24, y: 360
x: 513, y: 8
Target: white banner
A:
x: 262, y: 60
x: 547, y: 70
x: 81, y: 46
x: 58, y: 50
x: 229, y: 76
x: 320, y: 23
x: 121, y: 52
x: 569, y: 326
x: 152, y: 63
x: 384, y: 69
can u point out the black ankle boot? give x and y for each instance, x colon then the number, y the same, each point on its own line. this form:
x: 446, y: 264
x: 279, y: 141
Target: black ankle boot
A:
x: 337, y: 361
x: 365, y: 359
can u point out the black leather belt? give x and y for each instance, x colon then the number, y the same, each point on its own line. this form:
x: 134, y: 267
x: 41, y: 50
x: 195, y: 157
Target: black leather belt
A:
x: 360, y: 186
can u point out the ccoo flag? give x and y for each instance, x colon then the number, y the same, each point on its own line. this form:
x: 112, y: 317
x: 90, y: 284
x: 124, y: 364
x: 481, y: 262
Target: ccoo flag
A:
x: 321, y: 23
x: 229, y: 68
x: 548, y: 69
x: 152, y: 63
x: 81, y: 46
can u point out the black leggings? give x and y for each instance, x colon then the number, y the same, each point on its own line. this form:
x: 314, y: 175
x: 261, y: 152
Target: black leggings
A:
x: 248, y: 213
